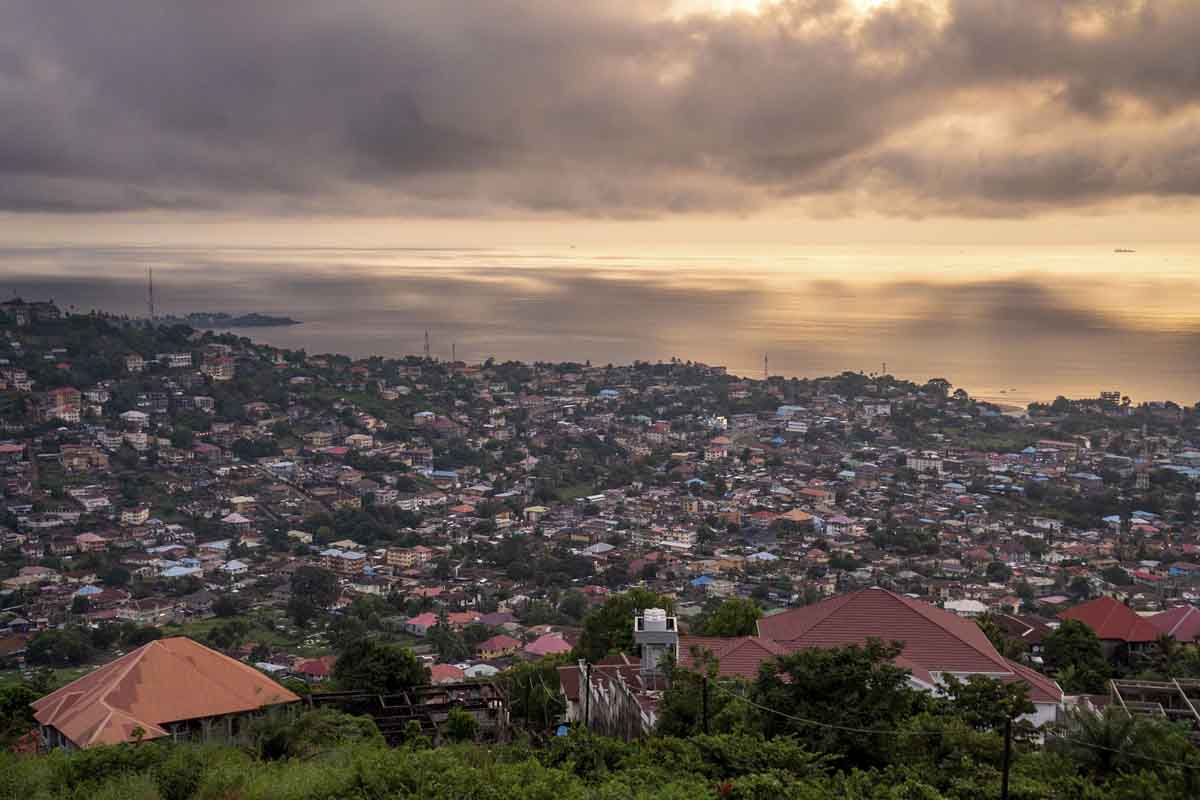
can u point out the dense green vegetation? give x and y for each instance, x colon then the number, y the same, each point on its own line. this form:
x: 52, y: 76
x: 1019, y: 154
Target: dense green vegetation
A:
x: 328, y: 755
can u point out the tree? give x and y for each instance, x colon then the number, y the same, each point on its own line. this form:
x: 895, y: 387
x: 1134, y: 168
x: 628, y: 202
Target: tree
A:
x: 1074, y: 652
x: 461, y: 726
x: 855, y: 687
x: 67, y: 647
x: 733, y: 617
x: 16, y: 716
x: 985, y: 703
x: 136, y: 637
x: 1116, y: 576
x: 1007, y: 646
x: 447, y: 643
x: 371, y: 666
x: 532, y: 691
x: 313, y: 590
x: 116, y: 577
x: 278, y: 736
x: 225, y: 606
x: 574, y: 604
x: 609, y: 628
x: 1110, y: 742
x: 998, y: 572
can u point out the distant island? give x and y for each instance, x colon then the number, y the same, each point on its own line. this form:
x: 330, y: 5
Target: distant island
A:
x: 1124, y: 250
x: 219, y: 319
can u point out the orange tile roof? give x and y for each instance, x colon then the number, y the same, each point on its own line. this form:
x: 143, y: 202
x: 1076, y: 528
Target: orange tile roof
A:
x: 169, y: 680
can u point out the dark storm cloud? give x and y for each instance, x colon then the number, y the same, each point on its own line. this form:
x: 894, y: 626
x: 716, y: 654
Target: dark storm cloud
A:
x: 472, y: 107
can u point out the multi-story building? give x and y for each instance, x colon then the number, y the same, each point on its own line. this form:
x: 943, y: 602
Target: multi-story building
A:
x: 175, y: 360
x: 343, y: 562
x: 221, y: 368
x: 408, y: 557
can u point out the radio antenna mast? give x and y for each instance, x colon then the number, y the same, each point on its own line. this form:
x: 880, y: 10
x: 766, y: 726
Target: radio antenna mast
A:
x: 427, y: 344
x: 150, y: 291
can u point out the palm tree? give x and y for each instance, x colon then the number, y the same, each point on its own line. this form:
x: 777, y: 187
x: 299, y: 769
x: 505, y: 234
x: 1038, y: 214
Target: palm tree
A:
x: 1117, y: 741
x: 1166, y: 655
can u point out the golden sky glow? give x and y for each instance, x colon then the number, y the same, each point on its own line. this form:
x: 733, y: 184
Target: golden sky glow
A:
x: 739, y: 121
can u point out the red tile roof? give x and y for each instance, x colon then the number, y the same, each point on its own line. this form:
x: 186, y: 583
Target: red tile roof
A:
x: 1112, y: 620
x: 498, y: 643
x: 739, y: 657
x: 169, y: 680
x: 549, y: 644
x: 937, y: 639
x: 1181, y: 623
x: 445, y: 673
x: 934, y: 640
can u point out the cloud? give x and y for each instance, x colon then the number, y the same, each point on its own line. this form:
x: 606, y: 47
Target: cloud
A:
x: 596, y: 107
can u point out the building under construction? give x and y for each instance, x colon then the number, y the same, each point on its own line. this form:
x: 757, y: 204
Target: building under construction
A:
x: 428, y: 706
x: 1177, y: 700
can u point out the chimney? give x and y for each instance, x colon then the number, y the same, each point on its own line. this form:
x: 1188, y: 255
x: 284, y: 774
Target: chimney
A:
x: 658, y: 637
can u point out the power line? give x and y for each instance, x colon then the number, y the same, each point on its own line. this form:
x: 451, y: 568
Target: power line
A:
x: 819, y: 724
x: 852, y: 729
x: 1061, y: 738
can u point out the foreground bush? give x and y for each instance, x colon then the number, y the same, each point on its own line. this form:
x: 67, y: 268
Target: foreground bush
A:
x: 576, y: 767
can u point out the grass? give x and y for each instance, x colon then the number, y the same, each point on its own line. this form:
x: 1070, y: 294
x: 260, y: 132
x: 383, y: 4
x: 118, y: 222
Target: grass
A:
x: 262, y: 631
x: 569, y: 494
x: 14, y: 677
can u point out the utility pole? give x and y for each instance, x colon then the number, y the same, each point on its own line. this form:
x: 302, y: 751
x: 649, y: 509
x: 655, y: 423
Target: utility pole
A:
x: 706, y: 705
x: 587, y: 696
x: 427, y: 344
x: 766, y: 367
x: 528, y: 686
x: 150, y: 291
x: 454, y: 352
x: 1007, y: 757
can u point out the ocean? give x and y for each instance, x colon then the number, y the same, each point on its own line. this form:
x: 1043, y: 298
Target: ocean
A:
x: 1005, y: 323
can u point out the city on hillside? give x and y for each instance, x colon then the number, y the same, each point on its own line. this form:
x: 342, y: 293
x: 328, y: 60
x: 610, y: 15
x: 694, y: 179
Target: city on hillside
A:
x: 549, y: 545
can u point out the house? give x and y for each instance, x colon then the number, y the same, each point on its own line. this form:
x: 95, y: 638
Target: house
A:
x: 140, y: 696
x: 408, y: 557
x: 90, y: 543
x: 64, y: 403
x: 318, y: 439
x: 149, y: 611
x: 1028, y: 629
x: 615, y: 695
x: 237, y: 521
x: 136, y: 419
x: 314, y: 669
x: 445, y: 673
x: 717, y: 449
x: 497, y: 647
x: 135, y: 516
x: 1118, y: 626
x: 935, y: 643
x: 1181, y: 623
x: 175, y: 360
x: 420, y: 624
x: 343, y: 562
x: 547, y: 645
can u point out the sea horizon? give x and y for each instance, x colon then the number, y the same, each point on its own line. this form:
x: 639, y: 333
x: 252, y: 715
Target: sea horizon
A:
x: 1008, y: 324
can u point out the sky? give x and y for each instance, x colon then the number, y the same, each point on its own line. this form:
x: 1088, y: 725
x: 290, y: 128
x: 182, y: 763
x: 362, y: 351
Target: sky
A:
x: 648, y: 121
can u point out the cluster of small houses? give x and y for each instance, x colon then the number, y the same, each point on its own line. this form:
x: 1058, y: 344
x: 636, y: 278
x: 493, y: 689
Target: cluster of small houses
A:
x: 783, y: 503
